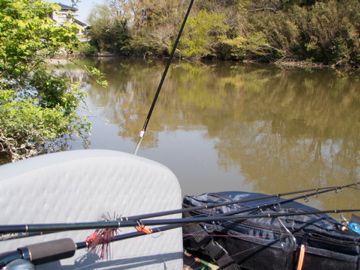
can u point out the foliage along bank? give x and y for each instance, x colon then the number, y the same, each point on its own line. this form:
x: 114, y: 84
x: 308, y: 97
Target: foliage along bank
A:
x: 37, y: 105
x: 313, y: 31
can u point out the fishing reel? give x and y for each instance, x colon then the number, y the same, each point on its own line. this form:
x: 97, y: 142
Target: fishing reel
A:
x: 26, y: 257
x: 19, y: 264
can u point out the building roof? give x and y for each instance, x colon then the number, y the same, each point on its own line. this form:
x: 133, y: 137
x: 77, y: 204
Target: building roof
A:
x: 65, y: 7
x: 82, y: 24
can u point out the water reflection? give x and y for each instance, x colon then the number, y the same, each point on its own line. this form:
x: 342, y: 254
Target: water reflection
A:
x: 228, y: 126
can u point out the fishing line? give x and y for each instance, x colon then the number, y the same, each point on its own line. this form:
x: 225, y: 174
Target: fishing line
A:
x: 142, y: 132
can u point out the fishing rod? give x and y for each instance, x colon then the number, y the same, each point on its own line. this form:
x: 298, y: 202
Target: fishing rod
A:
x: 316, y: 193
x: 11, y: 234
x: 46, y: 228
x: 177, y: 40
x: 65, y: 248
x: 152, y: 222
x: 129, y: 223
x: 22, y: 253
x: 7, y: 235
x: 214, y: 205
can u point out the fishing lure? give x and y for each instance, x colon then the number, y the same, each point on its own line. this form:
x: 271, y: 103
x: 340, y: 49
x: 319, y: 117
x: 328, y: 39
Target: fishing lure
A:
x: 99, y: 242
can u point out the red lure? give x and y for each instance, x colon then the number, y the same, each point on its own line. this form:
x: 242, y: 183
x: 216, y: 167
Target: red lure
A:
x: 99, y: 242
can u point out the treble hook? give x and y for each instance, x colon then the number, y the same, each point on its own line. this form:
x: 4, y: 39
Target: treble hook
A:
x: 285, y: 235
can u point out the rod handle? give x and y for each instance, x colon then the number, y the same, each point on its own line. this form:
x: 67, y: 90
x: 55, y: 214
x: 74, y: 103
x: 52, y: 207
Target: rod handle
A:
x: 49, y: 251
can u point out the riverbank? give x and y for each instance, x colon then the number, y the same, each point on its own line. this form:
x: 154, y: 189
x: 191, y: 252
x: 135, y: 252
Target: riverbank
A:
x: 305, y: 64
x: 283, y: 63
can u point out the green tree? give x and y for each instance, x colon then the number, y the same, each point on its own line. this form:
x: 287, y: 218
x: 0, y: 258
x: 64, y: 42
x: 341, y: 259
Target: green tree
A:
x: 155, y: 24
x: 37, y: 106
x: 315, y: 31
x: 109, y: 29
x: 329, y: 32
x: 203, y: 33
x: 324, y: 31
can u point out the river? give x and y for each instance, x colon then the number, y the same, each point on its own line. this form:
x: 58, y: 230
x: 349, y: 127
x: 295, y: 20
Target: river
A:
x: 223, y: 126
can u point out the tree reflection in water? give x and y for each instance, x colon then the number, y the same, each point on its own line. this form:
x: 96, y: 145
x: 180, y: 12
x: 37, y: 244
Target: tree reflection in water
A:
x: 271, y: 129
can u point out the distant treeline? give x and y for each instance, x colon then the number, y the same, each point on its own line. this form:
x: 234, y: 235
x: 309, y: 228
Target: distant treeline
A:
x: 314, y: 31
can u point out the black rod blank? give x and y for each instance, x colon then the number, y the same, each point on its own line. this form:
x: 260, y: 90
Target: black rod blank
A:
x: 133, y: 223
x: 315, y: 191
x: 65, y: 248
x: 177, y: 40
